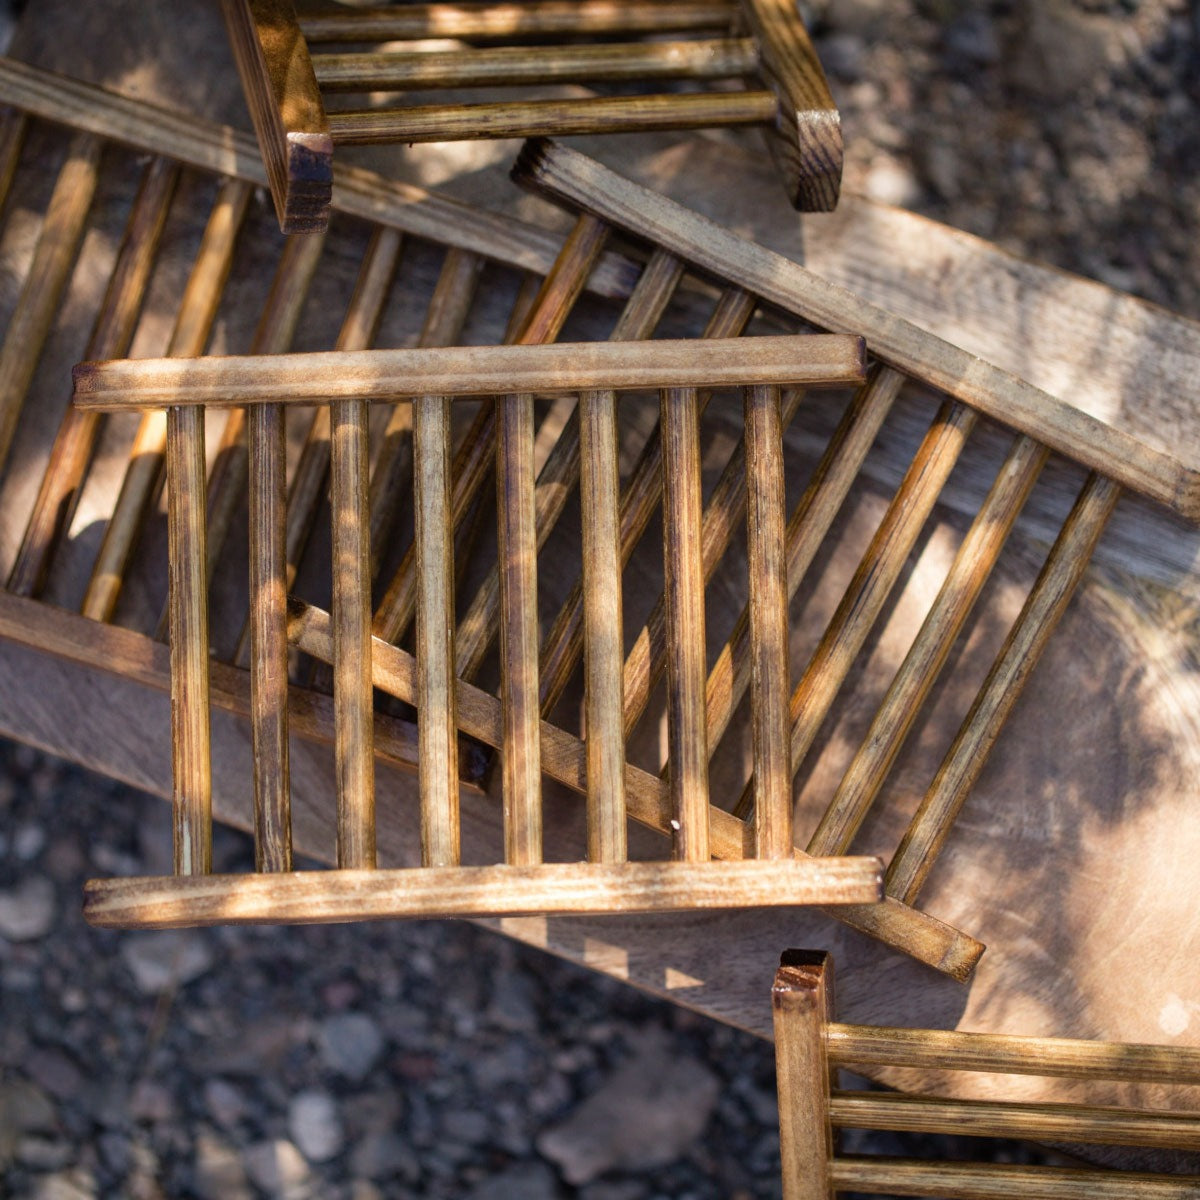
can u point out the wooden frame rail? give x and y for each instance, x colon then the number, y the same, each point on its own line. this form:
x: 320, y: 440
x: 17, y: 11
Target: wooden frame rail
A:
x: 762, y: 42
x: 810, y: 1046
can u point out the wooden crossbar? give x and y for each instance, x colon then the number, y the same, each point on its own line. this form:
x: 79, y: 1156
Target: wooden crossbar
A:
x: 810, y: 1045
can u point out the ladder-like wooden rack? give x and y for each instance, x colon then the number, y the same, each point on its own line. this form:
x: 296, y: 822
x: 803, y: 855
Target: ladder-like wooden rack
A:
x: 810, y: 1046
x: 287, y: 89
x: 432, y: 379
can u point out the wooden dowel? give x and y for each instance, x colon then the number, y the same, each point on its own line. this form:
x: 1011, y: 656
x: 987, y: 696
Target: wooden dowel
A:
x: 511, y: 65
x: 683, y: 572
x: 801, y: 1002
x: 562, y: 118
x: 353, y: 697
x: 112, y: 333
x: 190, y: 741
x: 539, y: 18
x: 436, y: 706
x: 765, y: 501
x: 1036, y: 1122
x: 599, y: 491
x: 806, y: 530
x: 13, y: 125
x: 1002, y: 1181
x: 1063, y: 569
x: 922, y: 665
x: 549, y: 310
x: 143, y: 475
x: 53, y: 259
x: 517, y: 557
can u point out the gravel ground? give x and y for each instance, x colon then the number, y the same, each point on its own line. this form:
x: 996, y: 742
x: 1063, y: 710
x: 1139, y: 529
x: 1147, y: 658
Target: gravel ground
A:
x: 436, y: 1059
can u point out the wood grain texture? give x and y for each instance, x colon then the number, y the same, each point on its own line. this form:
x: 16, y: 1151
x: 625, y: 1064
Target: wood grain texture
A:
x: 801, y: 1004
x: 805, y: 139
x: 13, y: 126
x: 53, y: 259
x: 468, y: 371
x: 683, y: 587
x: 112, y: 333
x: 931, y: 824
x: 305, y: 897
x: 286, y: 109
x: 188, y: 591
x: 1103, y: 445
x: 560, y: 118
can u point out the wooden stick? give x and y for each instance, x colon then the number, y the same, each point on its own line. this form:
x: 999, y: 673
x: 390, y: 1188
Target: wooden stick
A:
x: 1064, y: 568
x: 112, y: 333
x: 1001, y: 1181
x: 468, y: 371
x: 927, y: 656
x: 286, y: 109
x: 683, y: 572
x: 49, y: 272
x: 353, y: 697
x: 599, y: 491
x: 765, y: 501
x: 190, y: 740
x: 539, y: 18
x: 13, y: 125
x: 801, y: 1003
x: 511, y: 65
x: 564, y: 118
x: 304, y: 897
x: 1000, y: 1119
x: 143, y: 476
x: 586, y: 185
x: 806, y: 530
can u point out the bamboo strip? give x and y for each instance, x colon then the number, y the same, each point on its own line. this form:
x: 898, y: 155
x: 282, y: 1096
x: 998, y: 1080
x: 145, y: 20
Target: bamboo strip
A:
x: 304, y: 897
x: 684, y: 591
x: 506, y: 66
x: 927, y: 656
x: 112, y: 333
x: 143, y: 475
x: 49, y: 272
x: 437, y: 715
x: 1000, y: 1119
x: 1063, y: 569
x: 537, y: 18
x: 353, y: 698
x: 562, y: 118
x: 13, y: 125
x: 190, y: 739
x: 767, y: 566
x: 1002, y: 1181
x: 806, y: 530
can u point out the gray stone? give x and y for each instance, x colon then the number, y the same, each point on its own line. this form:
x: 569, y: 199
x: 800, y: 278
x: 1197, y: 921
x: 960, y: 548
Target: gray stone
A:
x: 522, y: 1181
x: 467, y: 1125
x: 225, y: 1103
x: 28, y: 841
x: 54, y: 1071
x: 27, y: 911
x: 218, y: 1174
x: 385, y: 1155
x: 43, y: 1154
x: 514, y: 1005
x: 159, y: 960
x: 151, y: 1101
x: 316, y: 1126
x: 277, y: 1167
x: 645, y: 1115
x: 78, y: 1184
x: 625, y: 1190
x: 25, y: 1108
x: 350, y: 1044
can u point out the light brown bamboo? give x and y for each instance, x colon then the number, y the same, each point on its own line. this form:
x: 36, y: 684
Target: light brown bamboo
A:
x: 538, y: 18
x: 1003, y: 1119
x: 1063, y: 569
x: 599, y: 491
x: 353, y: 696
x: 112, y: 332
x: 53, y: 259
x: 190, y: 739
x: 13, y: 125
x: 437, y: 726
x: 683, y: 573
x: 143, y: 475
x: 801, y: 1002
x: 506, y: 66
x: 806, y: 530
x: 1002, y: 1181
x: 765, y: 501
x: 549, y: 310
x: 926, y: 657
